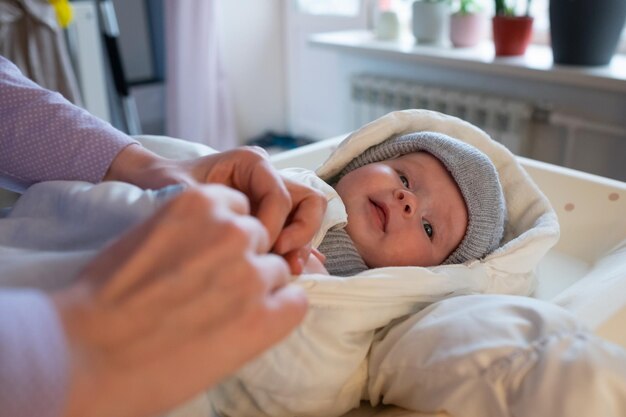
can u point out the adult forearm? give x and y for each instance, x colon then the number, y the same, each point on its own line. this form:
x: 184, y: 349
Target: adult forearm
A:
x: 45, y: 137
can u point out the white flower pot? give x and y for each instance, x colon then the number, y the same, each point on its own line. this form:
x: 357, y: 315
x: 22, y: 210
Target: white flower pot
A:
x: 431, y: 22
x: 388, y: 26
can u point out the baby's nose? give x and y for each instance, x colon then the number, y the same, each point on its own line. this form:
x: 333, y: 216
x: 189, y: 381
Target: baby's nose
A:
x: 407, y: 202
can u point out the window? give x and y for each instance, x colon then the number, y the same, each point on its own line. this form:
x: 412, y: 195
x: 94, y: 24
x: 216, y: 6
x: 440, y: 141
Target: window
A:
x: 541, y: 26
x: 330, y: 7
x: 539, y: 10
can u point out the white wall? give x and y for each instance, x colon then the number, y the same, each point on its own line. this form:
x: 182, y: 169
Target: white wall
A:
x: 252, y: 47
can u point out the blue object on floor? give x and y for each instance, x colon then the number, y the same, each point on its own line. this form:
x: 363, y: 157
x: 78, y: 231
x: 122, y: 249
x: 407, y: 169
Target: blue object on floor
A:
x: 277, y: 141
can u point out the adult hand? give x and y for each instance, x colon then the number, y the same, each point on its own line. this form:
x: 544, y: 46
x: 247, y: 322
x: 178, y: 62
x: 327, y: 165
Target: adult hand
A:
x: 291, y: 212
x: 173, y: 307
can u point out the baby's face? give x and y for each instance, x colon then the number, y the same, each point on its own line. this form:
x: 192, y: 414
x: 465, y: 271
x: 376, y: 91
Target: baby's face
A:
x: 406, y: 211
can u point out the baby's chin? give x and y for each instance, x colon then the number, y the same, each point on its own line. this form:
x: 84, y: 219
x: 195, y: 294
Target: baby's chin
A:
x: 381, y: 260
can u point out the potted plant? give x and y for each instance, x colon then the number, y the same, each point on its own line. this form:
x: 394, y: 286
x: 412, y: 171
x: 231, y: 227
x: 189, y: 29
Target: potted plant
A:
x: 387, y: 23
x: 511, y: 33
x: 585, y: 32
x: 468, y: 24
x: 430, y: 21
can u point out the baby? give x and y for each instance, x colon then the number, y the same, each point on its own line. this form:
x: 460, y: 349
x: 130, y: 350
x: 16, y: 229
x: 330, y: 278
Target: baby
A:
x: 421, y: 199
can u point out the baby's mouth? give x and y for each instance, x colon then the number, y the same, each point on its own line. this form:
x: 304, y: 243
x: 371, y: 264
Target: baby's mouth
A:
x: 381, y: 213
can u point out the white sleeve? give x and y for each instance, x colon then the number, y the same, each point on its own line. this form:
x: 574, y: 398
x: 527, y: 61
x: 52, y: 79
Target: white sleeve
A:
x: 486, y: 355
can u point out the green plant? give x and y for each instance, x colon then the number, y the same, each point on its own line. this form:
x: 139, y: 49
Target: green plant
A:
x: 468, y: 7
x: 505, y: 8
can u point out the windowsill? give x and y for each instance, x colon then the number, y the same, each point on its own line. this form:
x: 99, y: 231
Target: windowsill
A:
x: 535, y: 64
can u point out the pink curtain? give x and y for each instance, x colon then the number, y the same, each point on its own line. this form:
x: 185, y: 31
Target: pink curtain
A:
x: 198, y: 104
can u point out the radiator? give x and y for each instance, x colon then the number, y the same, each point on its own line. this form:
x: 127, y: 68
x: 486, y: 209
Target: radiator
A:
x: 527, y: 129
x: 506, y: 120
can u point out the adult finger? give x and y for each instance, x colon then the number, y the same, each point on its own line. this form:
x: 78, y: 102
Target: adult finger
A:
x: 248, y: 170
x: 235, y: 288
x: 227, y: 261
x: 270, y: 197
x: 197, y: 217
x: 308, y: 210
x: 296, y: 259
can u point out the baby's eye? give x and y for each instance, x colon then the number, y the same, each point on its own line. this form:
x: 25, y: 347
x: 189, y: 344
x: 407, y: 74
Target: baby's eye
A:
x: 428, y: 228
x: 405, y: 181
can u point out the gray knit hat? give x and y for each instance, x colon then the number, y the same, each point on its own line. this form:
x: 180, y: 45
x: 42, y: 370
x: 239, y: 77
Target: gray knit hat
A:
x: 473, y: 172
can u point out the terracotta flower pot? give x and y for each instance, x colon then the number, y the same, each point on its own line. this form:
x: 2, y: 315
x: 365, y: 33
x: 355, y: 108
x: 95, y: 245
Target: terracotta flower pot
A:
x: 512, y: 34
x: 467, y: 29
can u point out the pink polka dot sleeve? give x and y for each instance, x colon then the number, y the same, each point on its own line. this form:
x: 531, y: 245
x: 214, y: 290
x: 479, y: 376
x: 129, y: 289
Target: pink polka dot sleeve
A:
x: 44, y: 137
x: 34, y: 361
